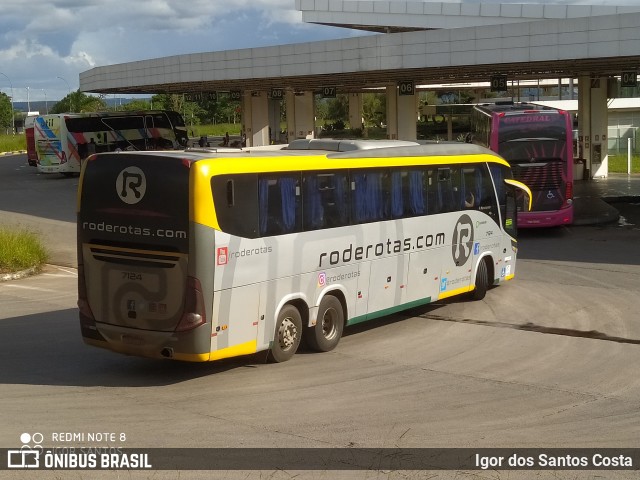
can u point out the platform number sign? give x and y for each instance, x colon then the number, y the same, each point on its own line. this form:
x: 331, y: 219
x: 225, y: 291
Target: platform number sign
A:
x: 498, y: 83
x: 277, y: 93
x: 328, y: 92
x: 406, y: 87
x: 629, y: 79
x: 235, y: 95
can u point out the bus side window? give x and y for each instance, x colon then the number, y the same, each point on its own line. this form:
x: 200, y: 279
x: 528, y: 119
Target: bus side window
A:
x: 499, y: 173
x: 370, y: 196
x: 511, y: 211
x: 235, y: 201
x: 279, y: 204
x: 325, y: 200
x: 471, y: 187
x: 414, y: 193
x: 445, y: 191
x: 431, y: 184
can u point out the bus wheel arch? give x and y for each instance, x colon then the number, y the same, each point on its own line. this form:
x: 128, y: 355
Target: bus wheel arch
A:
x: 325, y: 335
x: 288, y: 332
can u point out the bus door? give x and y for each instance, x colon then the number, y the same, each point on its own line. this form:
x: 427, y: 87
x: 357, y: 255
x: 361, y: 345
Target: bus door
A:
x: 423, y: 275
x: 387, y: 282
x: 237, y: 308
x: 149, y: 137
x: 377, y: 198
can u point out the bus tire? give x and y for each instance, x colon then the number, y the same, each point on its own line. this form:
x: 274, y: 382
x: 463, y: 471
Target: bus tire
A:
x: 482, y: 281
x: 287, y: 335
x: 326, y: 333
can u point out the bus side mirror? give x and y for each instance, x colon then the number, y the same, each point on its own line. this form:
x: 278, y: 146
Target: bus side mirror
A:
x: 524, y: 190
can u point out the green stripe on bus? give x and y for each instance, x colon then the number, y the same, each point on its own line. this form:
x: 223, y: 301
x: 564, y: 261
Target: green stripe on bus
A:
x: 388, y: 311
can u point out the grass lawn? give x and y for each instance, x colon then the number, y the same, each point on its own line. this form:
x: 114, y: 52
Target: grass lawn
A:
x: 20, y: 249
x: 618, y: 163
x: 12, y: 143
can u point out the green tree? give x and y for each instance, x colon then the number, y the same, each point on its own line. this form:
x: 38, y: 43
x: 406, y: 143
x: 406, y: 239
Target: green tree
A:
x: 137, y: 104
x: 5, y: 112
x: 191, y: 111
x: 322, y: 109
x: 338, y: 108
x: 166, y: 101
x: 78, y: 102
x: 374, y: 109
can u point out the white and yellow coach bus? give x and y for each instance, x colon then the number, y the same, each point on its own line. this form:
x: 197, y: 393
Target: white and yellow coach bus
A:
x: 203, y: 255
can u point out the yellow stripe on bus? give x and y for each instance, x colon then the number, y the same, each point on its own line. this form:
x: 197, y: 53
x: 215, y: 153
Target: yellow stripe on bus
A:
x: 235, y: 351
x: 191, y: 357
x: 246, y: 348
x: 201, y: 207
x: 457, y: 291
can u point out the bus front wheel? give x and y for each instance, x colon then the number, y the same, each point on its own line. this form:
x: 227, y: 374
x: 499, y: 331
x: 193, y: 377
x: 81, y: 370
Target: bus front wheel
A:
x: 482, y: 281
x: 288, y: 334
x: 326, y: 333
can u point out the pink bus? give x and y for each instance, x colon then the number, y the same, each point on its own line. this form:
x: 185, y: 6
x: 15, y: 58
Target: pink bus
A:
x: 538, y: 143
x: 32, y: 155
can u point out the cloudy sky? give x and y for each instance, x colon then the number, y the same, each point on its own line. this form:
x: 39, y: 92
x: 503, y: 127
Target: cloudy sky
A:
x: 45, y: 44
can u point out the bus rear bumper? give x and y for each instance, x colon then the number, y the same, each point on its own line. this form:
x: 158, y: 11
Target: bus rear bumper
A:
x: 553, y: 218
x: 149, y: 344
x: 48, y: 169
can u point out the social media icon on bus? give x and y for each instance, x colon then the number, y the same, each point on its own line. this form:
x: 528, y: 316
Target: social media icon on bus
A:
x: 222, y: 257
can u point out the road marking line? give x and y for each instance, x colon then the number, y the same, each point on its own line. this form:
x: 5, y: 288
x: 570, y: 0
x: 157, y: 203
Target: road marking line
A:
x: 63, y: 275
x: 40, y: 289
x: 69, y: 271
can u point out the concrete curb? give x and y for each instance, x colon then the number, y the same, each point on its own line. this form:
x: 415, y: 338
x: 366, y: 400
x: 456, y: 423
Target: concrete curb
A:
x: 6, y: 277
x: 17, y: 152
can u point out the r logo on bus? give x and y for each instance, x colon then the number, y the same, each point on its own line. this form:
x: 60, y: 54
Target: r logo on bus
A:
x: 131, y: 185
x: 462, y: 245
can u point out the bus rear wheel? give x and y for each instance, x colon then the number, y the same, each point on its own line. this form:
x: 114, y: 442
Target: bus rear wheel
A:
x: 325, y: 334
x: 288, y: 334
x: 482, y: 281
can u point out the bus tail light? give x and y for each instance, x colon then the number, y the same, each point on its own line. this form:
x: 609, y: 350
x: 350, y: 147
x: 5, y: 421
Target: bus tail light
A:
x: 568, y: 197
x: 83, y: 301
x: 193, y: 314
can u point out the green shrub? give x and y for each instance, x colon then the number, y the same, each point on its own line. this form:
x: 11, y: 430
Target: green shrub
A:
x: 217, y: 130
x: 20, y: 249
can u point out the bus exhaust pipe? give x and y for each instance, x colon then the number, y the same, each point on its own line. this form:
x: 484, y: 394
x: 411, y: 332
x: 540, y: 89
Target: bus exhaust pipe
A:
x: 167, y: 352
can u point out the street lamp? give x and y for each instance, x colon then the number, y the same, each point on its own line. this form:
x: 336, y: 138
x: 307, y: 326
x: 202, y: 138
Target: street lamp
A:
x: 69, y: 88
x: 28, y: 102
x: 46, y: 105
x: 13, y: 118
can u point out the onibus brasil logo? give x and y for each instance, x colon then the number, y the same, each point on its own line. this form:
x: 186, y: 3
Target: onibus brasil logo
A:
x: 28, y: 456
x: 32, y: 455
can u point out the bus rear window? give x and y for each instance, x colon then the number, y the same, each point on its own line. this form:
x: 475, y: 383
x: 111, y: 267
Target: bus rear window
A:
x: 134, y: 199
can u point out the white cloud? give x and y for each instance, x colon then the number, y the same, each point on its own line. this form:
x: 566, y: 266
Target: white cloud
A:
x: 44, y: 41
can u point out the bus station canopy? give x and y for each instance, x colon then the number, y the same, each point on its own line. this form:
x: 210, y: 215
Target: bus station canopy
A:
x: 427, y: 43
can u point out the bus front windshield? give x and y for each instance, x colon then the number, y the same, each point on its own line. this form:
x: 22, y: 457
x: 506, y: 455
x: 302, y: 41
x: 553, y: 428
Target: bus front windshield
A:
x: 532, y: 137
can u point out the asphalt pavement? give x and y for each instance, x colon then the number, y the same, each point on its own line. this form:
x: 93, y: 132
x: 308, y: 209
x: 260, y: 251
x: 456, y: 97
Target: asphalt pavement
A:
x: 593, y: 198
